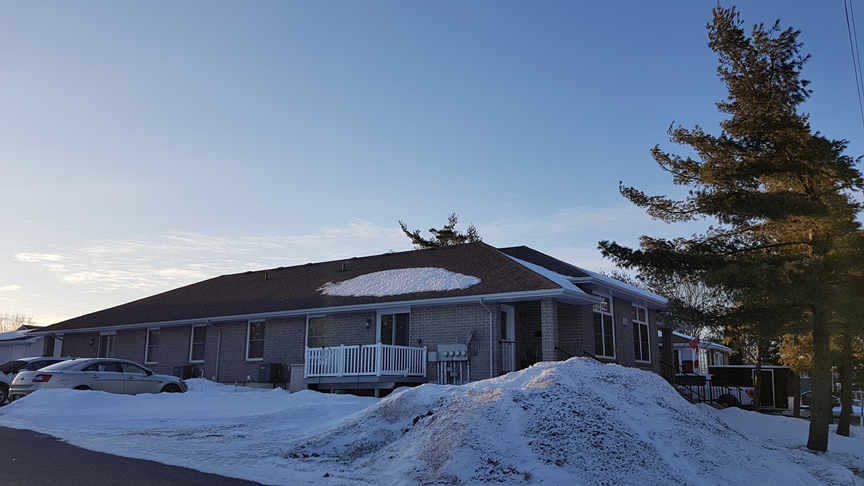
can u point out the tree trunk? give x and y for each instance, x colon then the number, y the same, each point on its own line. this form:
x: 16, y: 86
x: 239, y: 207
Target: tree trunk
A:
x: 820, y: 405
x: 757, y: 380
x: 846, y: 385
x: 796, y: 394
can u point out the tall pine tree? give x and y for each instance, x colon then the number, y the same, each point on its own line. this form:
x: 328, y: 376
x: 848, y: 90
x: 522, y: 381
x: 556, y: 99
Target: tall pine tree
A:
x: 780, y: 194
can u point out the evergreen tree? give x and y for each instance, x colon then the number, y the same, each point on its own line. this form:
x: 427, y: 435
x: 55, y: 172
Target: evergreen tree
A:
x: 780, y: 194
x: 446, y: 236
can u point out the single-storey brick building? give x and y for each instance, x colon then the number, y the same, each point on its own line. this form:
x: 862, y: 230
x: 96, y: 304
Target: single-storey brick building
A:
x: 448, y: 315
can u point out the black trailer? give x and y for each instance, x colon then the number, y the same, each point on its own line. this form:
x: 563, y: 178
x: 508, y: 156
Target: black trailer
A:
x: 776, y: 384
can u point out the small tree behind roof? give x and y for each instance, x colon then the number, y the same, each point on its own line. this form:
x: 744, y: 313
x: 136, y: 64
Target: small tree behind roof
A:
x: 446, y: 236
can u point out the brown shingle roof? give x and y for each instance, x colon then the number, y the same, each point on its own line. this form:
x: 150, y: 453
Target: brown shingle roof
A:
x: 296, y: 288
x: 531, y: 255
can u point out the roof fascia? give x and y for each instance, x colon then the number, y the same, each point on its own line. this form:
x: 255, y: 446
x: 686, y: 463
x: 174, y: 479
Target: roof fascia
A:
x: 705, y: 345
x: 26, y: 340
x: 564, y: 295
x: 659, y: 303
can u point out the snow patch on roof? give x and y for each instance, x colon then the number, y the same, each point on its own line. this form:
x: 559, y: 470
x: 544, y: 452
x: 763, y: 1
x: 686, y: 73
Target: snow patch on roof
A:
x: 398, y: 282
x: 10, y: 335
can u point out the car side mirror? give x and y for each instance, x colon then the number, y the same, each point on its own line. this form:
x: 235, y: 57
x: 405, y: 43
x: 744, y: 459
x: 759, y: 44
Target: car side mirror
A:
x: 149, y: 372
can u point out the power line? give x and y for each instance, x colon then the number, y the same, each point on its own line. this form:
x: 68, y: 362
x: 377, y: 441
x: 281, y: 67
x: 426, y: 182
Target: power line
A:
x: 856, y: 53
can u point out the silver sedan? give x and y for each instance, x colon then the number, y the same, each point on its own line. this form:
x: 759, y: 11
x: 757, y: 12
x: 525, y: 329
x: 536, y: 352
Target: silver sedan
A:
x: 105, y: 374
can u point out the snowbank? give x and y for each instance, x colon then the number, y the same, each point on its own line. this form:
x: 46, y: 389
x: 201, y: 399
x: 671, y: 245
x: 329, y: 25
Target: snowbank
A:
x: 576, y: 422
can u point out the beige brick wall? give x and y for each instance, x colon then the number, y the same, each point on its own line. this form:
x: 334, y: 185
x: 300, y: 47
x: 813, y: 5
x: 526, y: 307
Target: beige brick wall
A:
x: 429, y: 326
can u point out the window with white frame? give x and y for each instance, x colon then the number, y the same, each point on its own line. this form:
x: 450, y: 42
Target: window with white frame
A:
x: 106, y: 346
x: 152, y: 354
x: 255, y: 341
x: 316, y: 331
x: 198, y: 343
x: 641, y: 346
x: 604, y: 331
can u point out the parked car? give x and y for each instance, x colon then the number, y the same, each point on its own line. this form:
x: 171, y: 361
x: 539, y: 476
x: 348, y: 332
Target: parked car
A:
x: 807, y: 396
x: 9, y: 369
x: 104, y: 374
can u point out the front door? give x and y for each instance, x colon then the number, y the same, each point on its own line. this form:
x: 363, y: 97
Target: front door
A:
x: 508, y: 339
x: 393, y: 329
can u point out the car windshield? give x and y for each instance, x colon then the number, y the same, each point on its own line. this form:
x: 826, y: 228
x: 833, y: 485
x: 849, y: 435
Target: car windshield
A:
x: 62, y: 365
x: 11, y: 366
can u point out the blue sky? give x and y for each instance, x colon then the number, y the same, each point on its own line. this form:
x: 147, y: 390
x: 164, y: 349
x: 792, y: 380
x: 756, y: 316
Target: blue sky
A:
x: 149, y: 145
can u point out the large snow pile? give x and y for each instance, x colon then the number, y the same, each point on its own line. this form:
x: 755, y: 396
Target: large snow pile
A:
x: 577, y: 422
x: 398, y: 282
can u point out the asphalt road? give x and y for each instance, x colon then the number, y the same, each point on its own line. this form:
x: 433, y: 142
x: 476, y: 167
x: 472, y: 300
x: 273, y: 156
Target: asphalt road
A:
x: 29, y: 458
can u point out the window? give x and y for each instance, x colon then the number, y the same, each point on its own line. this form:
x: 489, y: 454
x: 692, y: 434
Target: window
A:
x: 316, y: 331
x: 106, y: 346
x: 393, y: 329
x: 39, y: 364
x: 152, y: 354
x: 103, y: 367
x: 641, y: 347
x: 604, y: 332
x: 133, y: 369
x: 198, y: 344
x: 255, y: 341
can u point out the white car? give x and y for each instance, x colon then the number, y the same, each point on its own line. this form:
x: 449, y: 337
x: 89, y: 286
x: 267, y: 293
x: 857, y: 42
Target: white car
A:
x: 104, y: 374
x: 9, y: 369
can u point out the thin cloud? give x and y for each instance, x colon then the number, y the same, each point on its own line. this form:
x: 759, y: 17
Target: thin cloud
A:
x: 10, y: 288
x: 177, y: 258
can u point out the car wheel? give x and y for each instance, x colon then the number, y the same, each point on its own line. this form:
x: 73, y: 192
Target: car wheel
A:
x: 728, y: 401
x: 82, y: 387
x: 4, y: 394
x: 172, y: 388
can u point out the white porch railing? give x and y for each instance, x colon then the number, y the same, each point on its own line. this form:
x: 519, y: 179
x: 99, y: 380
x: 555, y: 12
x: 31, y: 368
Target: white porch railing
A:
x: 365, y: 360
